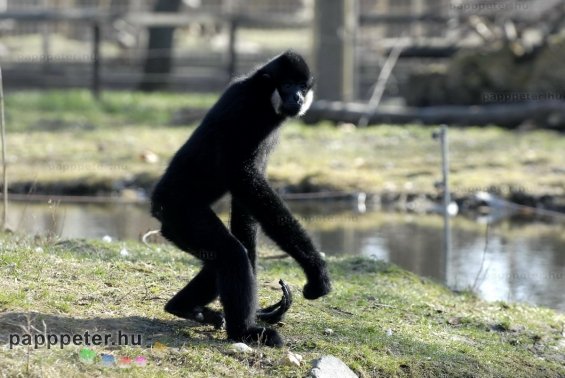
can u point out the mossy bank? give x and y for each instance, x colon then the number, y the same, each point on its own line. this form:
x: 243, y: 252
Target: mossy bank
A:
x: 386, y: 322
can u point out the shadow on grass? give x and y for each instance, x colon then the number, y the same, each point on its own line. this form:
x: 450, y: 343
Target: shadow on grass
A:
x: 135, y: 331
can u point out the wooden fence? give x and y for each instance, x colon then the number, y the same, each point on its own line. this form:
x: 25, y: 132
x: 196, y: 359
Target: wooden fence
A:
x: 210, y: 71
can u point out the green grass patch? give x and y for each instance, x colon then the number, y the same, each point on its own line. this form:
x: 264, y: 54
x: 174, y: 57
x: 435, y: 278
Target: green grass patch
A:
x: 386, y: 322
x: 65, y: 138
x: 77, y: 110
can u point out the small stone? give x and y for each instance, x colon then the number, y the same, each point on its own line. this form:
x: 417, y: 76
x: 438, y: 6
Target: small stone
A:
x: 328, y: 332
x: 291, y: 359
x: 149, y: 157
x: 241, y: 348
x: 330, y: 367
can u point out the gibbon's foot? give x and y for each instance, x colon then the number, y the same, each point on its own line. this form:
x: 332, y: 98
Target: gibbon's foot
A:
x: 275, y: 313
x: 260, y: 335
x: 318, y: 288
x: 199, y: 314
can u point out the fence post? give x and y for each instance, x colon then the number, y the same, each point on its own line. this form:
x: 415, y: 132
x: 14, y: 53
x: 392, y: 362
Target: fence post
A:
x: 46, y: 40
x: 335, y: 22
x: 232, y: 49
x: 96, y: 37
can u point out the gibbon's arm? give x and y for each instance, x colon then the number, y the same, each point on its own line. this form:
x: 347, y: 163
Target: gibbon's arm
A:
x: 251, y: 188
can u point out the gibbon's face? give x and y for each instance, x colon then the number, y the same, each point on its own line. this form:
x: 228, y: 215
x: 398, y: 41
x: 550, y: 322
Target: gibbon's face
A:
x: 293, y: 83
x: 292, y: 99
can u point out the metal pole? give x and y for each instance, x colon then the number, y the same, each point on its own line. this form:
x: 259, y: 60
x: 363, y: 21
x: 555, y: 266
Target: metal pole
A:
x: 46, y: 40
x: 96, y: 60
x: 446, y: 199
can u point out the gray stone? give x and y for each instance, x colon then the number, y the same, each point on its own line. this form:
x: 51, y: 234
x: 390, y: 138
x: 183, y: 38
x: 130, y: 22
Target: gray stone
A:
x: 241, y: 348
x: 331, y: 367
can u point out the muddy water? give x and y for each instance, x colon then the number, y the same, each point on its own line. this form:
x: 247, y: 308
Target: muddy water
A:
x: 524, y: 260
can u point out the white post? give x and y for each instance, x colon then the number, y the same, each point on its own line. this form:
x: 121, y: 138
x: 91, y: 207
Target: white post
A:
x: 442, y: 135
x: 446, y: 200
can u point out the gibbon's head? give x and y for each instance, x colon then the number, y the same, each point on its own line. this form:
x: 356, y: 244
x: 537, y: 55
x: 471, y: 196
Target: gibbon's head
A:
x: 290, y: 76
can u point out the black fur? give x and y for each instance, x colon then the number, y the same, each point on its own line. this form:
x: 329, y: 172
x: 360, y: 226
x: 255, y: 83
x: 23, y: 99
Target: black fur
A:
x: 228, y: 152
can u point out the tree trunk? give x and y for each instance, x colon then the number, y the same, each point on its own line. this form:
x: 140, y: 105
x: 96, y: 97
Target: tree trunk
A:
x: 158, y: 60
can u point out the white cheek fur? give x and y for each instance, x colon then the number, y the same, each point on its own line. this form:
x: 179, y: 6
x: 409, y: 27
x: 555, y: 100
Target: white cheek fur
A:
x: 276, y: 101
x: 307, y: 102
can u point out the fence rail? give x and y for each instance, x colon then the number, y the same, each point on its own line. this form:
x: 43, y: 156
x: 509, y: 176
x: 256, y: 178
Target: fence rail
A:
x: 101, y: 21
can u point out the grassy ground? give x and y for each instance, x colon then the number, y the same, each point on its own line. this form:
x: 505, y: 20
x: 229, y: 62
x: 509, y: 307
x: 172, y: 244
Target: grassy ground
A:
x: 386, y: 321
x: 64, y: 141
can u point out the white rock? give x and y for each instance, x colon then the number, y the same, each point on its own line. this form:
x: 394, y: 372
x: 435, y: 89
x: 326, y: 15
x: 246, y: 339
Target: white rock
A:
x: 316, y: 372
x: 331, y: 367
x: 149, y: 157
x: 107, y: 238
x: 241, y: 348
x: 291, y: 359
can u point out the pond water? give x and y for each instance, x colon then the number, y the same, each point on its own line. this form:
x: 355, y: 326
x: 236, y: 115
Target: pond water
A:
x: 524, y: 260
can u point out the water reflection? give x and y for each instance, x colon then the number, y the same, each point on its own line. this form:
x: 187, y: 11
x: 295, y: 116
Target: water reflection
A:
x: 524, y: 261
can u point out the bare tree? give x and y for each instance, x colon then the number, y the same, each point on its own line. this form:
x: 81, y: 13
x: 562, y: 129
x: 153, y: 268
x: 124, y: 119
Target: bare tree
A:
x: 158, y: 60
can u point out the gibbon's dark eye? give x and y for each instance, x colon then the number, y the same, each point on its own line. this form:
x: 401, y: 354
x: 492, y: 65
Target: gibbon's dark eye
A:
x: 287, y: 86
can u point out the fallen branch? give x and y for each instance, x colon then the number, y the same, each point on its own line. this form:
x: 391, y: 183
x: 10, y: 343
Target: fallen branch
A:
x: 549, y: 114
x: 382, y: 80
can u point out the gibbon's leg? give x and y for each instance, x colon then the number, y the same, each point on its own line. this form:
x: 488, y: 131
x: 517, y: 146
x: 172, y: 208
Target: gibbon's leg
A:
x: 244, y: 227
x: 189, y: 302
x: 204, y: 235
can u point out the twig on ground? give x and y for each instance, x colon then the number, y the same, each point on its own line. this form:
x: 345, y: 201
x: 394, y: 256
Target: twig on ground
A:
x: 480, y: 274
